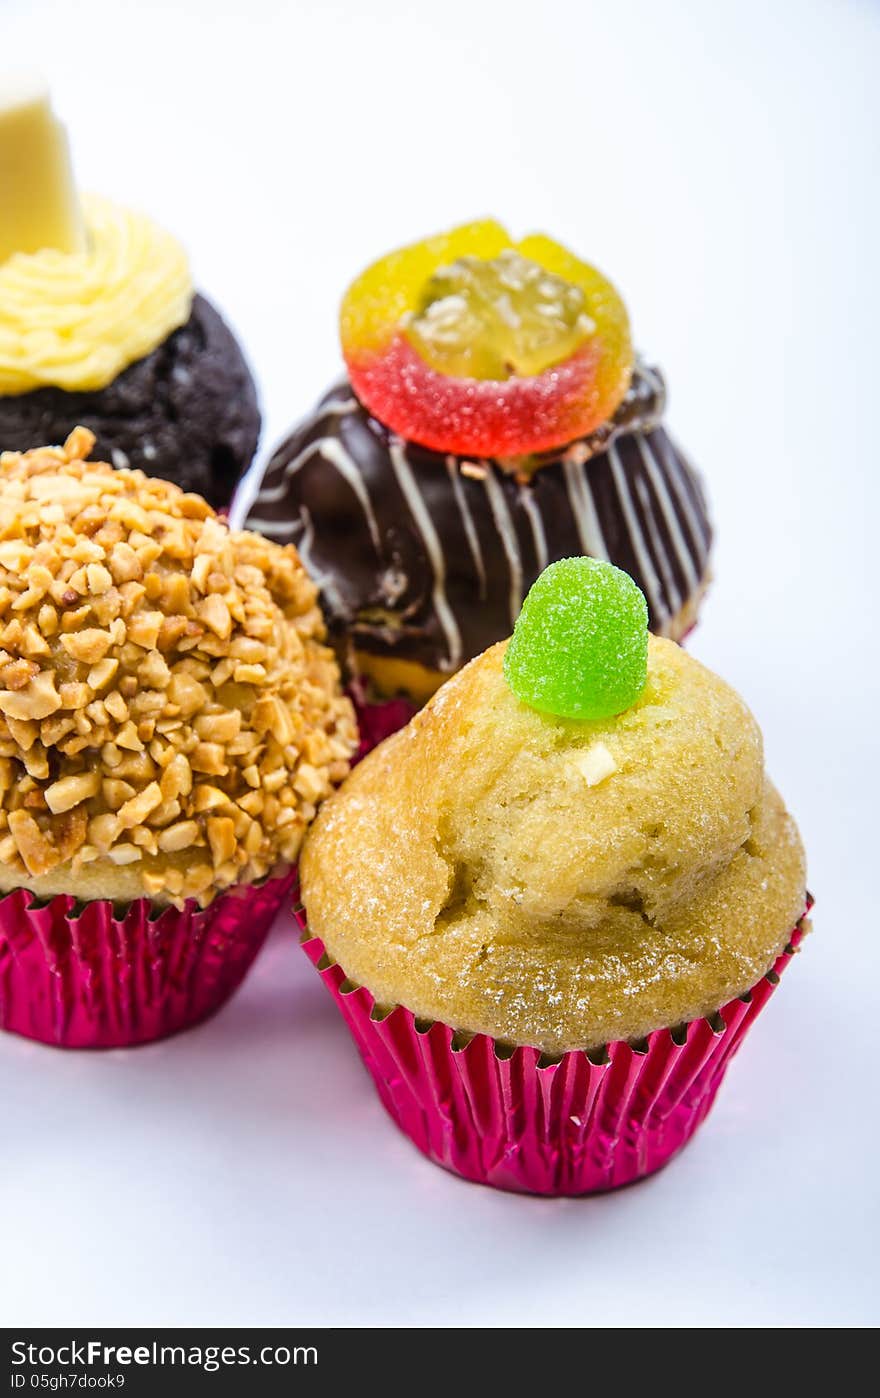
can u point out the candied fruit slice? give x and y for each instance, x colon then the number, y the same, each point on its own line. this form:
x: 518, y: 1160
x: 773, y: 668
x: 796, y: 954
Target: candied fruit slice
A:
x: 491, y: 318
x: 580, y: 645
x: 472, y: 344
x: 381, y: 297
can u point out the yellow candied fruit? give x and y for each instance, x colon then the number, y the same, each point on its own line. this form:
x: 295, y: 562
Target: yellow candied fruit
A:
x: 492, y: 318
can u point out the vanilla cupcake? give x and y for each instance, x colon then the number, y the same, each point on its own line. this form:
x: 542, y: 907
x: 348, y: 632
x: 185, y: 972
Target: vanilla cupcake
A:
x: 550, y: 906
x: 170, y: 720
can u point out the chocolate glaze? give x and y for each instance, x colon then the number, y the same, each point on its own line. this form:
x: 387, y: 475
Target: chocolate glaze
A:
x: 187, y: 411
x: 427, y: 557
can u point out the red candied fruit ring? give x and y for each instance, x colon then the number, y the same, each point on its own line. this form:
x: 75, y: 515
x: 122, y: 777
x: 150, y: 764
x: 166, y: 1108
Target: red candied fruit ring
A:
x: 477, y: 417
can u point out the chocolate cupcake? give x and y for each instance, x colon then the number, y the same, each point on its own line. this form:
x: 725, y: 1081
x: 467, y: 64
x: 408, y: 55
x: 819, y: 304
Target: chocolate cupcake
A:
x: 493, y: 421
x: 100, y: 326
x: 170, y: 719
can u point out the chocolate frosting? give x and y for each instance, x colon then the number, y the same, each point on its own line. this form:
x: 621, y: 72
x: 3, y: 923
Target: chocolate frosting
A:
x: 187, y: 412
x: 427, y: 558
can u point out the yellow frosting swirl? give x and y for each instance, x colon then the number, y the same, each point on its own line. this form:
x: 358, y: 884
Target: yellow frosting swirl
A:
x: 76, y: 320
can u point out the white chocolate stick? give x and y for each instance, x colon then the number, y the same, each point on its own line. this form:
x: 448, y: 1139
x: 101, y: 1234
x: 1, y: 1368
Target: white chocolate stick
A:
x: 39, y: 207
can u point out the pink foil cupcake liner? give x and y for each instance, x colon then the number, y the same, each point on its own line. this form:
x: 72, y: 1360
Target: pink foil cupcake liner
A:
x: 517, y: 1120
x: 377, y: 721
x: 90, y: 975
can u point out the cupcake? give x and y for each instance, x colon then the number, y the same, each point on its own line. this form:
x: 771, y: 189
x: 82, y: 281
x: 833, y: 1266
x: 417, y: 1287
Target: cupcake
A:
x: 493, y: 420
x: 170, y: 719
x: 100, y: 325
x: 550, y: 907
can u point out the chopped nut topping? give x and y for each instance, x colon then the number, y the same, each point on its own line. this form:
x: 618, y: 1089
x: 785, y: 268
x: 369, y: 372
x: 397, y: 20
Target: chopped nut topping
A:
x: 89, y: 645
x: 179, y: 836
x: 166, y: 699
x: 38, y: 699
x: 595, y: 764
x: 474, y: 470
x: 37, y: 852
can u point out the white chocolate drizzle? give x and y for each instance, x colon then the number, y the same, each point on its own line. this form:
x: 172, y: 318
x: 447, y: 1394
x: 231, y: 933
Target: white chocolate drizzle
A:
x: 539, y: 534
x: 329, y: 449
x: 698, y: 527
x: 669, y: 515
x: 583, y: 509
x: 433, y: 548
x: 467, y: 520
x: 649, y: 580
x: 509, y: 541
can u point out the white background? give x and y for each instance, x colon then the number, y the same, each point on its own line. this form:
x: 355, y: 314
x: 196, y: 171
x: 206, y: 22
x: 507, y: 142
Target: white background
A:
x: 717, y: 161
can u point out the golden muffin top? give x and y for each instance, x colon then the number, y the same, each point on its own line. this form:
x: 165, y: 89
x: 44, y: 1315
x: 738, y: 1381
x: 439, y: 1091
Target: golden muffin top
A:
x: 560, y: 882
x: 169, y: 715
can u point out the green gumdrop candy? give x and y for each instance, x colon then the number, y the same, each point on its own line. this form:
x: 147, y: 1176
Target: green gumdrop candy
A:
x: 580, y: 645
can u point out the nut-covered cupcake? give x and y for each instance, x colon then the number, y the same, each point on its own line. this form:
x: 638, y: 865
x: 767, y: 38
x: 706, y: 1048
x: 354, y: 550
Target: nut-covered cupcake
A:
x: 550, y: 906
x: 494, y: 419
x: 100, y: 324
x: 170, y: 720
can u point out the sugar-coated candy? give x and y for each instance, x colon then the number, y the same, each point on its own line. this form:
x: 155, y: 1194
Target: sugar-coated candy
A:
x: 493, y: 318
x: 580, y: 645
x: 473, y: 344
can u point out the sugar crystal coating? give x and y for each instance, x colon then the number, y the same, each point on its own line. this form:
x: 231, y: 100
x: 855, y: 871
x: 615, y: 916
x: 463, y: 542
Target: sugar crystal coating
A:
x: 580, y: 646
x: 491, y: 318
